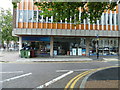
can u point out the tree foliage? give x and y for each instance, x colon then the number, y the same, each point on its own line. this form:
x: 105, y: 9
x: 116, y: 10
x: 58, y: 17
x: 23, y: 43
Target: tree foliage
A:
x: 63, y: 10
x: 6, y: 25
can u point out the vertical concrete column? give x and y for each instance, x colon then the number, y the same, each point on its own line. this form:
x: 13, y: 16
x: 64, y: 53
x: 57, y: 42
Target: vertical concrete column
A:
x: 20, y: 44
x: 51, y: 46
x: 119, y: 47
x: 87, y: 41
x: 119, y: 31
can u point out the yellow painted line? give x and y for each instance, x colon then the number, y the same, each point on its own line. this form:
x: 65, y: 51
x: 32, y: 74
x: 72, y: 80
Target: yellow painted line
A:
x: 73, y: 81
x: 73, y: 84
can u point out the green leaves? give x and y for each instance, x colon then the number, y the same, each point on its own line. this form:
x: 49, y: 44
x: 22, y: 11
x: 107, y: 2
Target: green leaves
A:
x: 63, y: 10
x: 6, y: 25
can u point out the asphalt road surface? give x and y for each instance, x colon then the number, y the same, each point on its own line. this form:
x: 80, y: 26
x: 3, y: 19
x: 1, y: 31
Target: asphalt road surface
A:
x: 46, y: 74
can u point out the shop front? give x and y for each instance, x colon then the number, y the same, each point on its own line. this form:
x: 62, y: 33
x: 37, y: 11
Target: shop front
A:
x: 78, y: 46
x: 70, y: 46
x: 73, y: 46
x: 40, y: 45
x: 106, y: 46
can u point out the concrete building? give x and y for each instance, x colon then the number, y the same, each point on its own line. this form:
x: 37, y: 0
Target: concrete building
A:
x: 63, y: 38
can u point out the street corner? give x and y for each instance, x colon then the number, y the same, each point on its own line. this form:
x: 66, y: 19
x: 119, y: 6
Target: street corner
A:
x: 111, y: 59
x: 104, y: 78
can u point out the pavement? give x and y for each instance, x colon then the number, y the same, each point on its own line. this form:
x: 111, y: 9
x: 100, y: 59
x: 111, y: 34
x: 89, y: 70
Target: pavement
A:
x: 107, y: 78
x: 9, y: 56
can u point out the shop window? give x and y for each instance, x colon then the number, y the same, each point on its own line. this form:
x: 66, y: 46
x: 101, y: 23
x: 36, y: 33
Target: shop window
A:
x: 108, y: 20
x: 35, y: 16
x: 30, y: 16
x: 116, y: 19
x: 20, y: 18
x: 86, y: 21
x: 115, y: 43
x: 104, y: 19
x: 25, y: 16
x: 111, y: 42
x: 100, y: 22
x: 39, y: 16
x: 113, y: 19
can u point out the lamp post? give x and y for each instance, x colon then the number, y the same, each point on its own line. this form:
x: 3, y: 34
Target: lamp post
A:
x: 0, y: 37
x: 97, y: 48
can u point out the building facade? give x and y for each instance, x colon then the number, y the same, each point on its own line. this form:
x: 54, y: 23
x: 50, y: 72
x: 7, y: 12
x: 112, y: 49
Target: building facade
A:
x: 63, y: 38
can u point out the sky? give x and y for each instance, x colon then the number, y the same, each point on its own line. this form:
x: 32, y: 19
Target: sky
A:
x: 5, y: 4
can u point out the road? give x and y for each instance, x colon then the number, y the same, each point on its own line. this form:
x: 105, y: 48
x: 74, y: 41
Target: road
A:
x: 46, y: 74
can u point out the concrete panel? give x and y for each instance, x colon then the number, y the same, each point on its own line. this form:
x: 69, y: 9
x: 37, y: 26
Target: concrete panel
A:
x: 118, y: 33
x: 28, y: 31
x: 38, y: 31
x: 82, y: 33
x: 19, y: 31
x: 33, y: 32
x: 78, y: 32
x: 73, y: 32
x: 63, y: 31
x: 100, y: 33
x: 43, y: 31
x: 68, y: 31
x: 87, y: 32
x: 108, y: 33
x: 57, y: 32
x: 53, y: 31
x: 119, y: 16
x: 48, y: 31
x: 96, y: 33
x: 112, y: 33
x: 23, y: 31
x: 13, y: 33
x: 92, y: 33
x: 104, y: 34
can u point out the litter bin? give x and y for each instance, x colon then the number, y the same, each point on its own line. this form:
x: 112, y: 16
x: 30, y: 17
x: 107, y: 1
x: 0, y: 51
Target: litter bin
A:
x: 27, y: 53
x: 32, y: 53
x: 22, y: 53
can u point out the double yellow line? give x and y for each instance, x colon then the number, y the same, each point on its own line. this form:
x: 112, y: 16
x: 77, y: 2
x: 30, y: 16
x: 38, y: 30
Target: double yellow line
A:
x: 71, y: 84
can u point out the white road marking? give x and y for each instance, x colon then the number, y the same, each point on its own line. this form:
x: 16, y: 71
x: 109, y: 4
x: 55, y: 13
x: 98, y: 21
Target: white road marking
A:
x: 117, y: 64
x: 72, y: 70
x: 13, y: 72
x: 13, y: 78
x: 110, y: 59
x: 54, y: 80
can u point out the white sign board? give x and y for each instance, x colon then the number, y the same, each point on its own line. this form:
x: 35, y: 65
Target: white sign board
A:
x: 55, y: 52
x: 74, y: 51
x: 79, y: 51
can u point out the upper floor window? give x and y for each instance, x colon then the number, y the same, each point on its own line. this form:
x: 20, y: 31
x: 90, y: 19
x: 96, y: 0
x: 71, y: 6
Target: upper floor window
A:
x: 117, y: 19
x: 30, y: 16
x: 108, y: 20
x: 112, y: 19
x: 25, y: 16
x: 35, y: 16
x: 20, y: 18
